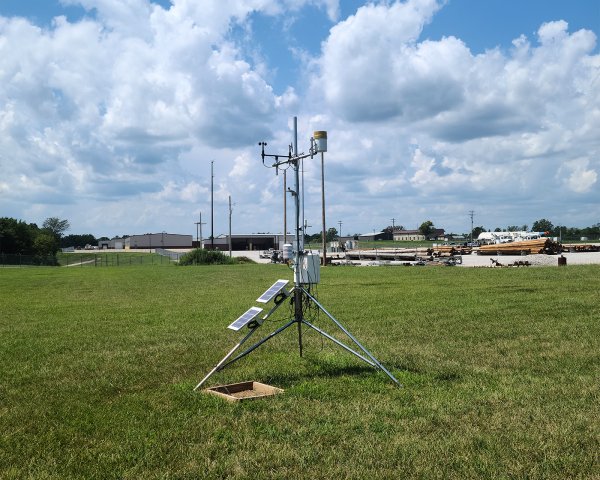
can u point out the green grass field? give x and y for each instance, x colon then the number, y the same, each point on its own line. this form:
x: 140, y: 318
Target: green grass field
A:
x: 500, y: 368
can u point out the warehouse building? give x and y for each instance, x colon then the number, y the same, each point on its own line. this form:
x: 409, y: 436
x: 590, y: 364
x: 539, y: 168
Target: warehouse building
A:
x: 148, y: 241
x: 158, y: 240
x: 254, y: 241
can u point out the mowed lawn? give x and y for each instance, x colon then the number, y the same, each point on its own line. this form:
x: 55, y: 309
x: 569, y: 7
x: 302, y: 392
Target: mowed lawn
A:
x: 500, y: 367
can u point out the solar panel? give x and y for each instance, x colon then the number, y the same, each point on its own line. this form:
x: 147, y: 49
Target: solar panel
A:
x: 245, y: 318
x: 272, y: 291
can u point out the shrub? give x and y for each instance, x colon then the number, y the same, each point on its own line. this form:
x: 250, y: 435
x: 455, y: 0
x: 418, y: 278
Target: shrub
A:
x: 243, y: 260
x: 210, y: 257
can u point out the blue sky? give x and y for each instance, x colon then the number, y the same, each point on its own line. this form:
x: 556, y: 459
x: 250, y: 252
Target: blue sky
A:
x: 480, y: 24
x: 110, y: 118
x: 485, y: 24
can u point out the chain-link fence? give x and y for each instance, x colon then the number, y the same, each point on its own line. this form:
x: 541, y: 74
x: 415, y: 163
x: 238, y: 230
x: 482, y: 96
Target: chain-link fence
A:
x: 18, y: 260
x: 90, y: 259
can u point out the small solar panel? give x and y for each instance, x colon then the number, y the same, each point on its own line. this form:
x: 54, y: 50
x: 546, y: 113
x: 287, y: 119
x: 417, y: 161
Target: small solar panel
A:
x: 272, y: 291
x: 245, y: 318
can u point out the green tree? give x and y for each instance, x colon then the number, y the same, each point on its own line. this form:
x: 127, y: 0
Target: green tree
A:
x: 427, y: 228
x: 78, y: 240
x: 542, y: 225
x: 56, y: 226
x: 477, y: 231
x: 17, y: 236
x: 332, y: 234
x: 45, y: 244
x: 389, y: 231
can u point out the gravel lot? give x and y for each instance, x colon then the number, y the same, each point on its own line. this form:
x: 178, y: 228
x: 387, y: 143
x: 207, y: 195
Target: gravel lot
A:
x: 583, y: 258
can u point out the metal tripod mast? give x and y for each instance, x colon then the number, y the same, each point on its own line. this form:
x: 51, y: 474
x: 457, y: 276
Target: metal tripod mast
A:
x: 299, y: 294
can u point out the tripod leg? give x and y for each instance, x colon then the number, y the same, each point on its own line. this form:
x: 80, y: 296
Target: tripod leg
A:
x: 222, y: 363
x: 298, y: 303
x: 341, y: 344
x: 341, y: 327
x: 300, y: 336
x: 258, y: 344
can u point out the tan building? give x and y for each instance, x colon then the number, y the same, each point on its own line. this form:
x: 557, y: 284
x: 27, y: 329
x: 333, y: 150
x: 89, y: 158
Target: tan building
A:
x: 408, y: 235
x: 417, y: 236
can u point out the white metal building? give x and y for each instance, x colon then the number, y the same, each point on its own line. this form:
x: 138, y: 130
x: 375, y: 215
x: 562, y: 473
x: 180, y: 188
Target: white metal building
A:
x: 158, y: 240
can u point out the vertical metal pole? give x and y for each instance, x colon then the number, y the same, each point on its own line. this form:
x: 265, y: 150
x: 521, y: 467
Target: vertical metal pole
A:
x: 212, y: 209
x: 471, y: 213
x: 298, y: 292
x: 230, y: 211
x: 324, y: 239
x: 296, y: 165
x: 284, y: 207
x: 299, y: 190
x: 303, y: 219
x: 296, y: 136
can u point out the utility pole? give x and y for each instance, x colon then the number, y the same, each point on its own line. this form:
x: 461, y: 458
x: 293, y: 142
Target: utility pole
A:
x: 212, y: 207
x: 199, y: 229
x: 230, y: 212
x: 471, y: 214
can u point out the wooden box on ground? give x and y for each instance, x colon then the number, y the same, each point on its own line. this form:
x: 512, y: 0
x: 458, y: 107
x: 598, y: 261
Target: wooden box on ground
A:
x: 236, y: 392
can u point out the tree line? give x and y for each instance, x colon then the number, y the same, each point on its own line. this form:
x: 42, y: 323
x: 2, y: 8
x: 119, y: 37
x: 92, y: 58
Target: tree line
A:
x: 427, y: 228
x: 21, y: 238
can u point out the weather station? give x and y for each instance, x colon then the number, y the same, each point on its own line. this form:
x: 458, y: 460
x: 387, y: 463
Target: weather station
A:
x: 306, y: 267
